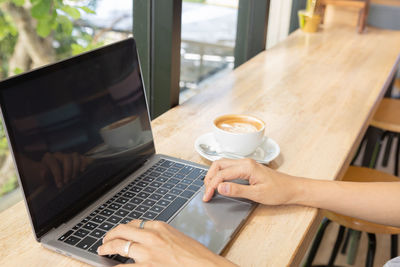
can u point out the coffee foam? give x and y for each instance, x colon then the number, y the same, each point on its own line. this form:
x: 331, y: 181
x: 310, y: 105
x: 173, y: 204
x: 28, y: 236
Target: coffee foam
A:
x: 237, y: 127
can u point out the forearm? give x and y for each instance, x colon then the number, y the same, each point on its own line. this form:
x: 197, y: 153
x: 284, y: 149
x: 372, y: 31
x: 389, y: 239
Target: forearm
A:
x: 376, y: 202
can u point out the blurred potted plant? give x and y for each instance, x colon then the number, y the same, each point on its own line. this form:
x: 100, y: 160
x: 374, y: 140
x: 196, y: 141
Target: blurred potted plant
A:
x: 309, y: 19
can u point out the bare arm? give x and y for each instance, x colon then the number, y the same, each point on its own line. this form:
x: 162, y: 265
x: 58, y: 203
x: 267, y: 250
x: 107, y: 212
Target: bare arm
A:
x: 376, y: 202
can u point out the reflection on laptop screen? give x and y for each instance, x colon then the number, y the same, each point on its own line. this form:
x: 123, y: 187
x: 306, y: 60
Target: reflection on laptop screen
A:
x: 76, y: 128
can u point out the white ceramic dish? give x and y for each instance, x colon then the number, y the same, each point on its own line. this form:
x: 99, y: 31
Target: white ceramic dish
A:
x: 264, y: 154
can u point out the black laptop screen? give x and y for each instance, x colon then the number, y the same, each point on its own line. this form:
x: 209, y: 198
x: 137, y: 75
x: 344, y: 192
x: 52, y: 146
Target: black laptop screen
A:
x: 76, y: 128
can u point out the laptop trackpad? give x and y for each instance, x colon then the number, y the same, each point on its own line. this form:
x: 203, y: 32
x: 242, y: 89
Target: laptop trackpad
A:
x: 211, y: 223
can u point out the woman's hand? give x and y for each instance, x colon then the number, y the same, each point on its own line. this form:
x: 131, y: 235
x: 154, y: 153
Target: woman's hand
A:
x: 266, y: 186
x: 158, y: 244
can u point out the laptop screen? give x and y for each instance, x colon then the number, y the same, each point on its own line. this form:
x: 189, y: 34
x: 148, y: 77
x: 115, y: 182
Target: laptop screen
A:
x: 76, y: 129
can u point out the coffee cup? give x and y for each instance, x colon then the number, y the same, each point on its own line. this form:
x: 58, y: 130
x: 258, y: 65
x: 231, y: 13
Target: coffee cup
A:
x: 123, y: 133
x: 239, y: 134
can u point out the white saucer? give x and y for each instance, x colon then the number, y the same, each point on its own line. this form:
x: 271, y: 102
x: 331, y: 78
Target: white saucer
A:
x: 264, y: 154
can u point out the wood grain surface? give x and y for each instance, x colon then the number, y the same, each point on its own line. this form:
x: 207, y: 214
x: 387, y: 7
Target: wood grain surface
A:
x: 316, y: 93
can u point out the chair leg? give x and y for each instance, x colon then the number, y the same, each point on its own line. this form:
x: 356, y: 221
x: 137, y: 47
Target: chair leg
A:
x: 393, y: 246
x: 335, y: 250
x: 317, y: 241
x: 371, y: 250
x: 397, y: 158
x: 388, y: 149
x: 346, y: 241
x: 377, y: 150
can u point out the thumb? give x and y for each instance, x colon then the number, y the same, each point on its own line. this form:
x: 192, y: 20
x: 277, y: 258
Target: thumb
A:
x: 235, y: 190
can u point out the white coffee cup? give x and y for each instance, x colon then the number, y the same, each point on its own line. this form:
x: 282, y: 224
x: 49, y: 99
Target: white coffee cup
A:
x: 123, y: 133
x: 239, y: 134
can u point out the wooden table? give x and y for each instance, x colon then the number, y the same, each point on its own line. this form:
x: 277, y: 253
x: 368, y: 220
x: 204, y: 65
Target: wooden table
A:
x: 316, y: 93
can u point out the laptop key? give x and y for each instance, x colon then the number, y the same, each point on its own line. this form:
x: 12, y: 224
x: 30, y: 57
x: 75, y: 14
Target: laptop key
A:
x: 185, y: 170
x: 176, y: 191
x: 135, y: 189
x: 122, y: 213
x: 179, y: 175
x: 72, y: 240
x: 163, y: 202
x: 64, y: 236
x: 155, y: 196
x: 194, y: 174
x: 171, y: 209
x: 134, y: 215
x: 129, y: 206
x: 179, y: 165
x: 160, y: 169
x: 198, y: 182
x: 149, y: 189
x: 143, y: 195
x: 90, y: 226
x: 98, y: 219
x: 86, y: 242
x: 156, y: 208
x: 149, y: 202
x: 149, y: 215
x: 167, y: 163
x: 142, y: 184
x: 162, y: 191
x: 194, y: 187
x: 169, y: 197
x: 81, y: 233
x: 187, y: 194
x: 106, y: 226
x: 122, y: 200
x: 114, y: 206
x: 142, y: 208
x: 186, y: 181
x: 149, y: 179
x: 181, y: 186
x: 154, y: 174
x: 93, y: 248
x: 136, y: 200
x: 162, y: 179
x: 173, y: 170
x: 106, y: 212
x: 128, y: 194
x: 97, y: 233
x: 168, y: 174
x: 114, y: 219
x: 167, y: 186
x: 156, y: 184
x: 173, y: 181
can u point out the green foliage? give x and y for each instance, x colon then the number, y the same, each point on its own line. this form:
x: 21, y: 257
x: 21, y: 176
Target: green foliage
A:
x: 78, y: 49
x: 18, y: 71
x: 3, y: 141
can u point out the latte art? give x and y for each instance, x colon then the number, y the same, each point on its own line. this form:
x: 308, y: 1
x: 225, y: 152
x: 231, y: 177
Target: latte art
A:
x: 237, y: 127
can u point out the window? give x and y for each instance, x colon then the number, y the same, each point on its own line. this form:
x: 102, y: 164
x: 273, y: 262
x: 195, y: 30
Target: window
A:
x: 207, y: 42
x: 55, y: 30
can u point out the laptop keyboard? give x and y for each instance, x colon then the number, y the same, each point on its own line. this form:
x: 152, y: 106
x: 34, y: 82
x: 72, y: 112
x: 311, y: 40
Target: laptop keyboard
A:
x: 157, y: 194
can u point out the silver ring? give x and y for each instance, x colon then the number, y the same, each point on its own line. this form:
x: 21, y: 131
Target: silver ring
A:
x: 141, y: 225
x: 127, y: 247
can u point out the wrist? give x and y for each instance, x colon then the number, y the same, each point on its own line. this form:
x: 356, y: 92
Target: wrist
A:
x: 299, y: 191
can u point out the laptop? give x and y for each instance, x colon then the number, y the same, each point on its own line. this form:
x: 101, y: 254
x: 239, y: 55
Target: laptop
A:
x: 81, y: 139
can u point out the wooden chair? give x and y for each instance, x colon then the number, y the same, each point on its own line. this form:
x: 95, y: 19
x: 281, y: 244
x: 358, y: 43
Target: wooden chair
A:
x: 362, y: 5
x: 355, y: 174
